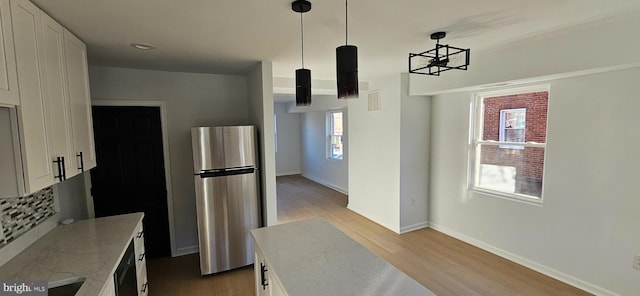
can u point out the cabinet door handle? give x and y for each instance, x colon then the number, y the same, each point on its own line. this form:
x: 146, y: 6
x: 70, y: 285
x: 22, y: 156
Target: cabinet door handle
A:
x: 81, y: 168
x: 144, y: 287
x: 59, y: 161
x: 64, y: 169
x: 141, y: 257
x: 263, y: 278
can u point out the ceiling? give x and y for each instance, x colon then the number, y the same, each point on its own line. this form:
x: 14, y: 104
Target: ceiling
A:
x: 230, y: 36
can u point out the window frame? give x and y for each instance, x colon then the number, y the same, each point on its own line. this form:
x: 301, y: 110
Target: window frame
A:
x: 503, y: 128
x: 476, y: 128
x: 275, y: 131
x: 330, y: 125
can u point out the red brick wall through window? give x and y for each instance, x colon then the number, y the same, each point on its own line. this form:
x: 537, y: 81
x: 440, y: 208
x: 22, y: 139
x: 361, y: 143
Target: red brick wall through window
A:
x: 528, y: 162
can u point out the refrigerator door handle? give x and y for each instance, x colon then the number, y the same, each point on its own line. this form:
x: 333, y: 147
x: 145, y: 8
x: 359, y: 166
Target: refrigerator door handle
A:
x: 228, y: 172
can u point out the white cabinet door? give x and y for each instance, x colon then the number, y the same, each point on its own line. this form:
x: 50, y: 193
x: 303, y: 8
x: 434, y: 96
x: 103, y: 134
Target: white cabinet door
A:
x: 8, y: 76
x: 81, y: 119
x: 109, y: 288
x: 141, y: 261
x: 57, y: 103
x: 32, y: 113
x: 267, y: 283
x: 259, y: 273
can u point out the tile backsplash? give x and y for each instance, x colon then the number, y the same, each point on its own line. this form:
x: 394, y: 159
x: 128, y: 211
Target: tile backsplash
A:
x: 20, y: 214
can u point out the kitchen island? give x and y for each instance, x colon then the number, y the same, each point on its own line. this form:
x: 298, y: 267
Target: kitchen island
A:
x: 312, y: 257
x: 89, y: 249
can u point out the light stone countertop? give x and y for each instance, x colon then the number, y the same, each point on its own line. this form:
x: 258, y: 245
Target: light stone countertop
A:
x: 312, y: 257
x: 87, y: 248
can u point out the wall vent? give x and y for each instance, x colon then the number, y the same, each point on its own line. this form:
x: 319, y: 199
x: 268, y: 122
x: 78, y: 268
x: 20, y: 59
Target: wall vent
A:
x: 374, y: 100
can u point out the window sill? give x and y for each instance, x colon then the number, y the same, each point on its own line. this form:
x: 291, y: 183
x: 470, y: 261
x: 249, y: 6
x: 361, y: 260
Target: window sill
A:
x: 508, y: 196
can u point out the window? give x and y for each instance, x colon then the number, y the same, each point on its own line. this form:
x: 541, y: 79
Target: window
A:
x: 512, y: 126
x: 506, y: 155
x: 275, y: 131
x: 334, y: 141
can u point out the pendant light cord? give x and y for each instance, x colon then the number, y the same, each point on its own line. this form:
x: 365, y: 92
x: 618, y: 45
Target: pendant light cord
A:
x: 302, y: 38
x: 346, y: 23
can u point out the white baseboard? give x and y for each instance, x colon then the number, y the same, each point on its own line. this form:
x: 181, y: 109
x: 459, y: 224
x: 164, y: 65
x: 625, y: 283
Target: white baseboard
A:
x: 26, y: 239
x: 413, y: 227
x: 278, y: 174
x: 186, y: 251
x: 325, y: 183
x: 563, y: 277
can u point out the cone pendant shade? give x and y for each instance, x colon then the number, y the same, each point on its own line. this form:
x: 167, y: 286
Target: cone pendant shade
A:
x: 347, y: 71
x: 303, y: 87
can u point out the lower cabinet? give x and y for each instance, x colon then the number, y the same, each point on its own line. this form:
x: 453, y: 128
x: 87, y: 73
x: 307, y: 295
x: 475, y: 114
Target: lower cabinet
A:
x: 267, y: 283
x: 109, y: 289
x: 141, y: 267
x: 141, y: 262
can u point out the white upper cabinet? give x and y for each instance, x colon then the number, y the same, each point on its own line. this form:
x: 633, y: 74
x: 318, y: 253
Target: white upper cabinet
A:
x: 33, y: 117
x: 81, y: 118
x: 8, y: 76
x: 51, y: 133
x: 60, y: 130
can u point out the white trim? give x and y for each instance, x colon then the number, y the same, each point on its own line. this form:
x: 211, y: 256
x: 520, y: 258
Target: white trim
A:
x: 503, y: 128
x: 325, y: 183
x: 546, y: 87
x: 91, y: 213
x: 508, y: 196
x: 548, y: 271
x: 275, y: 131
x: 330, y: 134
x: 186, y: 251
x: 166, y: 154
x: 413, y: 227
x: 520, y: 144
x: 25, y: 240
x: 288, y: 173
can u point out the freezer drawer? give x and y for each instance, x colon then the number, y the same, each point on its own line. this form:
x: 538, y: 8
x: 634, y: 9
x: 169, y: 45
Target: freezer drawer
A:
x: 227, y: 209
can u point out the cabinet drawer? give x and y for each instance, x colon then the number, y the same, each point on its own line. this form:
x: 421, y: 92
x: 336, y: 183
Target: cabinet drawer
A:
x: 141, y: 254
x: 138, y: 239
x: 143, y: 284
x: 141, y: 261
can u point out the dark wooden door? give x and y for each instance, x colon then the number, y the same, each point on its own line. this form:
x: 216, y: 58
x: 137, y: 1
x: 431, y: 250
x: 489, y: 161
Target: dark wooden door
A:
x: 129, y: 176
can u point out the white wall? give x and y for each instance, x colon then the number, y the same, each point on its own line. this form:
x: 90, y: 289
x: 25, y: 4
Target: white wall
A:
x: 602, y: 45
x: 374, y: 159
x: 315, y: 165
x: 319, y: 103
x: 586, y: 231
x: 71, y: 198
x: 415, y: 120
x: 260, y: 86
x: 192, y: 100
x: 288, y: 141
x: 389, y: 159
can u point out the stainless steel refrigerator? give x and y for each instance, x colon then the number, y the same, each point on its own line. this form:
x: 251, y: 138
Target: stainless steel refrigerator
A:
x: 226, y: 180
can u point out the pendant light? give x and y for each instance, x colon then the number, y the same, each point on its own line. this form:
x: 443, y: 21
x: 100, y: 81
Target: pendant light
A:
x: 303, y: 76
x: 347, y: 65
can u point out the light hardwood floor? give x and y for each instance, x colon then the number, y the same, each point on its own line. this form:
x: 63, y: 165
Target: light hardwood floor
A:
x: 441, y: 263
